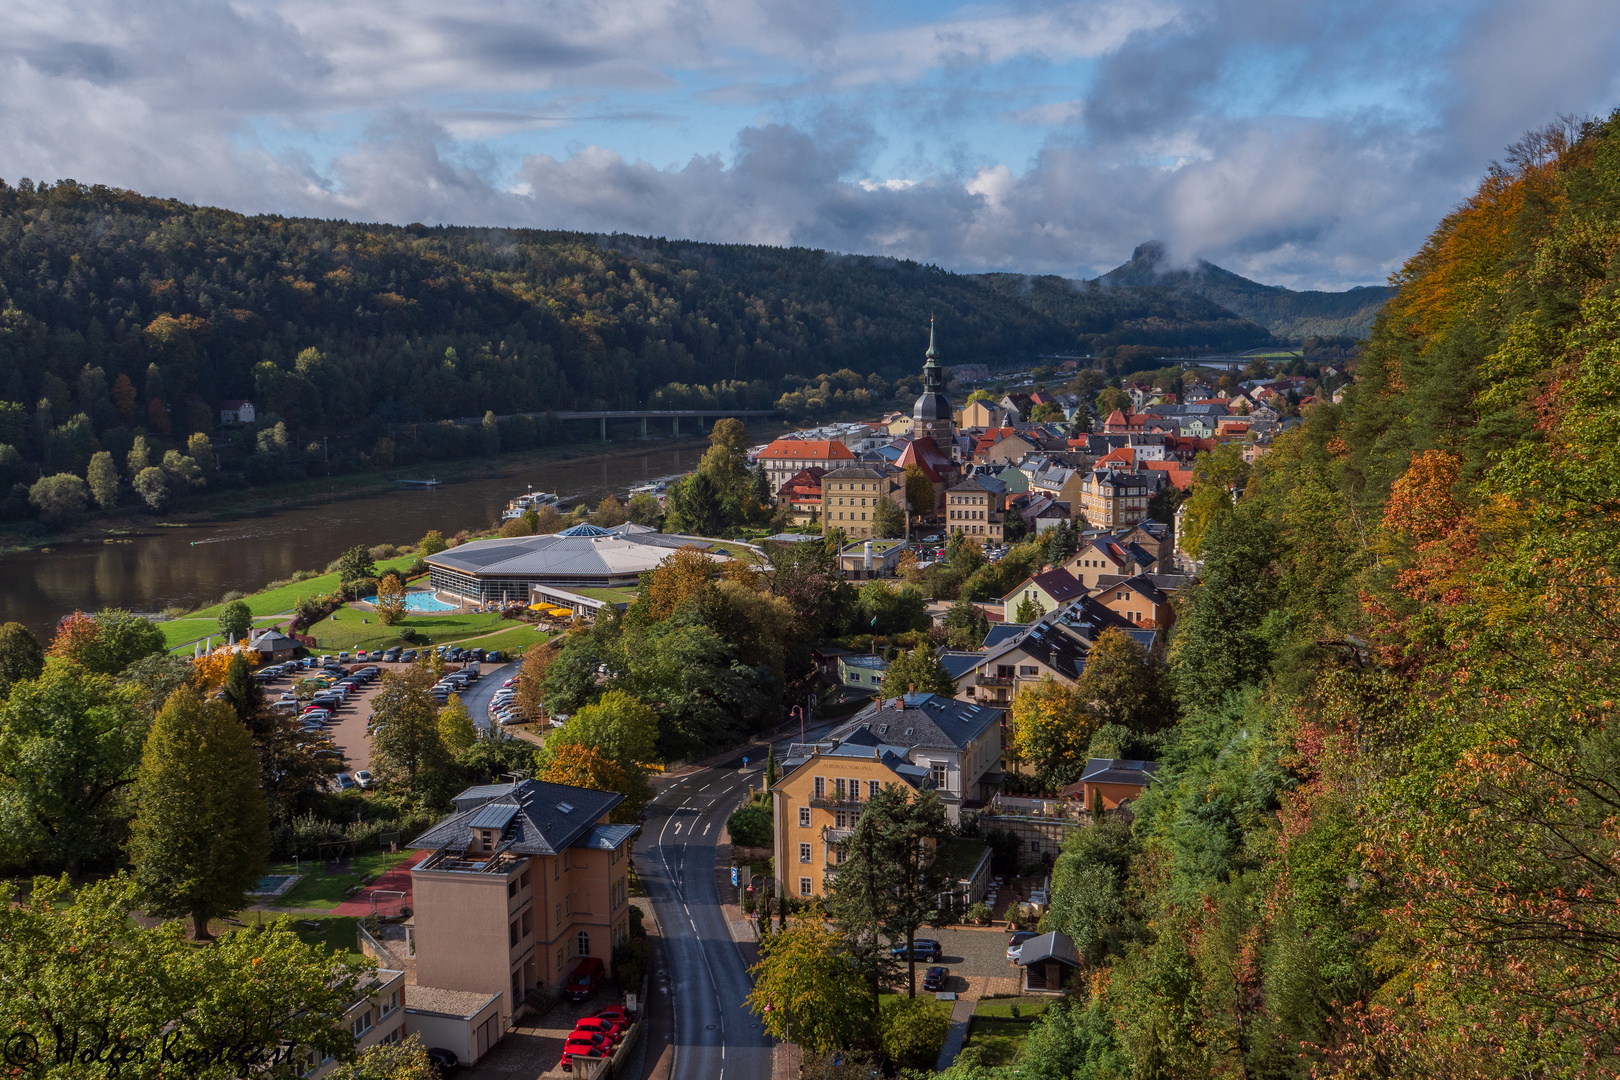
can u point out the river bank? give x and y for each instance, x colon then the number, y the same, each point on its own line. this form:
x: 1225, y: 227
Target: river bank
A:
x: 241, y: 541
x: 206, y: 507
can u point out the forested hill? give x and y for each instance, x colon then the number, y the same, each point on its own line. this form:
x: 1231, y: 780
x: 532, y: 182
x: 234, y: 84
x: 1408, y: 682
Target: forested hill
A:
x: 1285, y: 312
x: 187, y: 303
x: 1383, y: 842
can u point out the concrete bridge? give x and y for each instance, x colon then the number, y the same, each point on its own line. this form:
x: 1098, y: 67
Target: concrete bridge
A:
x: 675, y: 416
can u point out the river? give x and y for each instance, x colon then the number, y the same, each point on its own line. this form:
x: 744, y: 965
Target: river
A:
x: 194, y: 566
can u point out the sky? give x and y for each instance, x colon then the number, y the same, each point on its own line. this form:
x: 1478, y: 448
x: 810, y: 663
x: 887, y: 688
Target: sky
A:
x: 1307, y: 143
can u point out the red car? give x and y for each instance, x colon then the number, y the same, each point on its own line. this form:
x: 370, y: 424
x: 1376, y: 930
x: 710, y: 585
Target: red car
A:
x: 595, y: 1025
x: 614, y: 1013
x: 584, y: 979
x: 572, y: 1050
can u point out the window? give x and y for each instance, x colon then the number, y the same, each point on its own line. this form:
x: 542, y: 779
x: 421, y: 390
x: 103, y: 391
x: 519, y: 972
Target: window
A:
x: 804, y: 852
x: 838, y: 789
x: 511, y: 889
x: 389, y: 1004
x: 527, y: 922
x: 821, y: 787
x: 558, y: 920
x: 390, y: 1039
x: 512, y: 933
x: 582, y: 944
x: 804, y: 817
x: 839, y: 855
x: 938, y: 771
x: 362, y: 1023
x: 523, y: 882
x: 872, y: 789
x: 840, y: 820
x: 804, y: 886
x: 488, y: 839
x: 854, y: 790
x: 1028, y: 669
x: 559, y: 960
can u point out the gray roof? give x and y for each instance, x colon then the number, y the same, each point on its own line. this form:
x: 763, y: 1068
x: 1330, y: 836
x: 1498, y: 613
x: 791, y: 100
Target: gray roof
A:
x: 580, y: 552
x: 958, y: 663
x: 545, y: 818
x: 1002, y: 632
x: 1052, y: 946
x: 608, y: 837
x: 876, y: 470
x: 1119, y: 771
x: 922, y: 721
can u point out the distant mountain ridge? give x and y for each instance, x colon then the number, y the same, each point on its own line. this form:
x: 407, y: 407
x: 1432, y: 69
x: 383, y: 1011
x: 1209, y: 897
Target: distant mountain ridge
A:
x: 1285, y: 312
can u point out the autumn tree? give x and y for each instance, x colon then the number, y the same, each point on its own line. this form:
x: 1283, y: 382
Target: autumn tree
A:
x: 1050, y: 728
x: 456, y: 729
x: 107, y: 642
x: 391, y: 599
x: 806, y: 990
x: 1121, y: 684
x: 201, y: 834
x: 103, y: 479
x: 407, y: 752
x: 685, y: 575
x: 432, y: 543
x: 584, y: 766
x: 59, y: 498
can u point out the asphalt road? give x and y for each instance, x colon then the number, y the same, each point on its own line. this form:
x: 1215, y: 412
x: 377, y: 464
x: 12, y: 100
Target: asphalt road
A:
x: 708, y: 978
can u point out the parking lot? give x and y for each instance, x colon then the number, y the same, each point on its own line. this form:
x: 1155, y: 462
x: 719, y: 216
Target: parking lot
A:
x: 976, y: 954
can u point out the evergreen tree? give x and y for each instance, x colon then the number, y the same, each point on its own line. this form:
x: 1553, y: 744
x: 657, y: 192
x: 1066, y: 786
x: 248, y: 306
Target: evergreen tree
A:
x: 21, y: 656
x: 1062, y: 541
x: 245, y: 696
x: 201, y: 833
x: 919, y: 670
x: 887, y: 519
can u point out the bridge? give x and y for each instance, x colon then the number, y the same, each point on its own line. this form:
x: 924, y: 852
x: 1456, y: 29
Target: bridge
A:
x: 675, y: 416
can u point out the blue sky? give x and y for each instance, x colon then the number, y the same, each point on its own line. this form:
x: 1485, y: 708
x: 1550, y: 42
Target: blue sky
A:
x: 1306, y: 144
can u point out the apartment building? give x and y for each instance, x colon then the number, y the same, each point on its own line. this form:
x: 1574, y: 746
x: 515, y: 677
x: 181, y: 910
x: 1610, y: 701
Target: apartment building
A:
x: 1055, y: 646
x: 976, y: 507
x: 524, y: 879
x: 1109, y: 498
x: 376, y: 1018
x: 783, y: 458
x: 849, y: 496
x: 958, y: 742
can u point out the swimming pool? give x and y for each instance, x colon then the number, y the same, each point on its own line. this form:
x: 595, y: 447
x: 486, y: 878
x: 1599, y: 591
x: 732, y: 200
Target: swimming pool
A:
x: 420, y: 601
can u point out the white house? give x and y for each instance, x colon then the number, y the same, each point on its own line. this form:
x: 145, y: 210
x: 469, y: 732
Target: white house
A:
x: 236, y: 411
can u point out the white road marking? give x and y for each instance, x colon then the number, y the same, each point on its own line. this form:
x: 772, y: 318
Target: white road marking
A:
x: 705, y: 787
x: 706, y: 825
x: 677, y: 830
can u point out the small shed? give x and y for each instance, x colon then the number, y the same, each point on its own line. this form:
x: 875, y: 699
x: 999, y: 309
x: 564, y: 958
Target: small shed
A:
x: 1111, y: 781
x: 274, y: 645
x: 1047, y: 961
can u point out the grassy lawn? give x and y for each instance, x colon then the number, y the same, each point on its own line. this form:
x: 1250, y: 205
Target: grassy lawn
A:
x: 997, y: 1033
x: 512, y: 641
x: 275, y: 601
x: 336, y: 932
x: 322, y: 890
x: 344, y: 630
x: 178, y: 632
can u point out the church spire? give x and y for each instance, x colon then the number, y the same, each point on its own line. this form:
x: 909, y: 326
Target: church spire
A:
x: 933, y: 377
x: 932, y: 353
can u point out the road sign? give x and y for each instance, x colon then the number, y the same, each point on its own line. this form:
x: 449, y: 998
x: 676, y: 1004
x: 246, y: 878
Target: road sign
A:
x: 745, y: 763
x: 734, y: 879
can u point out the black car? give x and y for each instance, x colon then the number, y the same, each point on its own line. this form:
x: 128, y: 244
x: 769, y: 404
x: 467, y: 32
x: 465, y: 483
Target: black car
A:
x: 494, y: 656
x: 935, y: 978
x: 921, y: 949
x: 476, y: 654
x: 445, y: 1062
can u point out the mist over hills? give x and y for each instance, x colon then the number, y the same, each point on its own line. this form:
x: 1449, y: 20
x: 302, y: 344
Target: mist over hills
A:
x: 1286, y: 313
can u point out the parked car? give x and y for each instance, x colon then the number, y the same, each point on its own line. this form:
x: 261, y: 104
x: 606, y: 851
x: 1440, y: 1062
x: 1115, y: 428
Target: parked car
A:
x: 614, y: 1014
x: 408, y: 656
x: 479, y: 655
x: 343, y: 657
x: 1015, y: 944
x: 495, y: 656
x: 362, y: 655
x: 391, y: 656
x: 444, y: 1062
x: 921, y: 949
x: 363, y: 778
x: 572, y: 1050
x: 584, y: 979
x: 934, y: 979
x: 592, y: 1038
x: 588, y: 1025
x: 509, y: 682
x: 344, y: 781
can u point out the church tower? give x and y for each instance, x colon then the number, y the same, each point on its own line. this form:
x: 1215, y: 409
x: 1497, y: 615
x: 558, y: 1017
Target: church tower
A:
x: 932, y: 416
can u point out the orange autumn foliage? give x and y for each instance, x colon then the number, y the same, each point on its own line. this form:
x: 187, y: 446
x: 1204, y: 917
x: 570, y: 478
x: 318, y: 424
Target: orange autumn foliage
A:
x: 76, y: 638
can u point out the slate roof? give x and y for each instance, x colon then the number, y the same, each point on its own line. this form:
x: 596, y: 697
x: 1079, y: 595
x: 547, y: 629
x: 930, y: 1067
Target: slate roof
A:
x: 537, y: 825
x: 923, y: 721
x: 861, y: 744
x: 1000, y: 633
x: 628, y: 549
x: 957, y: 664
x: 1060, y: 585
x: 1051, y: 946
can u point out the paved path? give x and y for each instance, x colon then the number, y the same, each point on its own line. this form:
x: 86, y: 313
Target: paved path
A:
x: 713, y: 1031
x: 961, y: 1013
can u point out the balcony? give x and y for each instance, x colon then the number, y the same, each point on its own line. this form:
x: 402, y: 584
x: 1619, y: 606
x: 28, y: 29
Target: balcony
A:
x: 833, y: 836
x: 834, y: 803
x: 995, y: 680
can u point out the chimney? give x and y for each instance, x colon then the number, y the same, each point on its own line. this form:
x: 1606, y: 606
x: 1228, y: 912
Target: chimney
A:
x: 869, y: 556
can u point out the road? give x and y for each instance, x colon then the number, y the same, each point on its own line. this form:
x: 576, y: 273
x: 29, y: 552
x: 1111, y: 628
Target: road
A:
x: 708, y: 979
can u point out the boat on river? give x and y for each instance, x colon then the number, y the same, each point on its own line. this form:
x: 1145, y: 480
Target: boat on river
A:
x: 533, y: 500
x: 660, y: 486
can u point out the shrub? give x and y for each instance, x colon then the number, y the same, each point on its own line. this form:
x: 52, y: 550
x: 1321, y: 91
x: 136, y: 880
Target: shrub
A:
x: 384, y: 551
x: 174, y: 611
x: 234, y: 594
x: 978, y: 913
x: 911, y: 1031
x: 630, y: 963
x: 750, y: 825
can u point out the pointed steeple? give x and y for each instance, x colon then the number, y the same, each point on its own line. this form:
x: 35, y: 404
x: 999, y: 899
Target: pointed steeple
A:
x: 933, y: 376
x: 932, y: 353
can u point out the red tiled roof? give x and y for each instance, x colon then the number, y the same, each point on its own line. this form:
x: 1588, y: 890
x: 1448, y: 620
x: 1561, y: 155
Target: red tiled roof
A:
x: 809, y: 450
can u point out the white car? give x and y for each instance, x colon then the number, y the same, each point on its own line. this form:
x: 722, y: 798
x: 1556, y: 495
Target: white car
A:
x: 363, y: 778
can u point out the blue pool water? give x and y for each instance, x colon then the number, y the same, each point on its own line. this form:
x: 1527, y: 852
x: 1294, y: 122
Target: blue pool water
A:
x: 420, y: 601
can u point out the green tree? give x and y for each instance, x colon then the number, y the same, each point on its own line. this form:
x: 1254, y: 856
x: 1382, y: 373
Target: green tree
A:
x: 139, y: 458
x: 1029, y: 609
x: 120, y: 639
x: 1049, y: 727
x: 887, y: 519
x: 695, y: 506
x: 806, y: 990
x: 1121, y: 684
x: 966, y: 626
x: 69, y: 744
x: 201, y: 834
x: 491, y: 433
x: 431, y: 543
x: 152, y: 485
x: 182, y: 471
x: 407, y: 753
x: 236, y: 620
x: 405, y: 1060
x: 59, y: 499
x: 456, y: 728
x: 644, y: 509
x: 920, y: 669
x: 911, y: 1032
x: 356, y: 568
x: 200, y: 449
x: 103, y: 479
x: 21, y: 656
x: 244, y: 695
x: 1111, y: 398
x: 1062, y: 542
x: 920, y: 493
